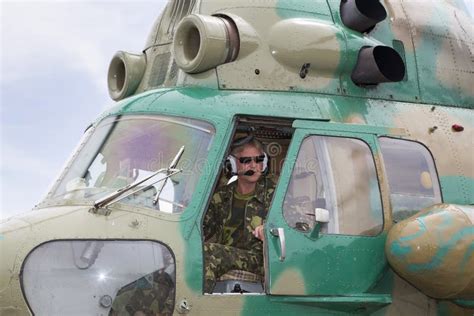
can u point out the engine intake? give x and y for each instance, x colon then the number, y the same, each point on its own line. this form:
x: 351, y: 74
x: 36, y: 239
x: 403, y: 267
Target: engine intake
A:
x: 125, y: 74
x: 203, y: 42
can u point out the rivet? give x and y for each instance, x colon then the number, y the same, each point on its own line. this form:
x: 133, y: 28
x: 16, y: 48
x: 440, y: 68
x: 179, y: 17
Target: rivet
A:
x: 105, y: 301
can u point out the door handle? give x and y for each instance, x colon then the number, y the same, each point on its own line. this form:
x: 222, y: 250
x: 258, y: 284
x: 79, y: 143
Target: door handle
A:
x: 280, y: 233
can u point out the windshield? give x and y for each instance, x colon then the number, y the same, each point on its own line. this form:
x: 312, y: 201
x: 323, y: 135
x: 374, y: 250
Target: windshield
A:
x: 124, y: 149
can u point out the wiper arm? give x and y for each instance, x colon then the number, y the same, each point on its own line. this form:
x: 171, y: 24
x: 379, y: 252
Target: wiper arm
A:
x: 122, y: 192
x: 171, y: 167
x: 128, y: 189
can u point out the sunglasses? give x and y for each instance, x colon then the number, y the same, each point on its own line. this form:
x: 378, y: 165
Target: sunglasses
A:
x: 247, y: 160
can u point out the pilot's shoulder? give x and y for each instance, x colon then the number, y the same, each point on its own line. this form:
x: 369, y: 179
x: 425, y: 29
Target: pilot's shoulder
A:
x: 271, y: 182
x: 222, y: 193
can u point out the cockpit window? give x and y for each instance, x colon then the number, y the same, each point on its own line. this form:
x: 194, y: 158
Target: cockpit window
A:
x: 126, y: 149
x: 100, y: 277
x: 412, y: 176
x: 336, y: 174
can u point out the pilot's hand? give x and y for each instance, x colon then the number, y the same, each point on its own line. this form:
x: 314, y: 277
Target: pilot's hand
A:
x: 258, y: 232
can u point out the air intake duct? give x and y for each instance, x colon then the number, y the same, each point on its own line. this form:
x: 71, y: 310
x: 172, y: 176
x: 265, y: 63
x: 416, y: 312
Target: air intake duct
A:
x: 125, y: 74
x: 362, y: 15
x: 203, y: 42
x: 378, y: 64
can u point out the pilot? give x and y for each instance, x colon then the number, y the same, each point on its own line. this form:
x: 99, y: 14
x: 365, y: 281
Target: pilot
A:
x: 233, y: 225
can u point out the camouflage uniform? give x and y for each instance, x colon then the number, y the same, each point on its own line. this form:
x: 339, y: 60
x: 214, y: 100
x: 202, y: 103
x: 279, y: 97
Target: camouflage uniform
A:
x: 152, y: 294
x: 242, y: 251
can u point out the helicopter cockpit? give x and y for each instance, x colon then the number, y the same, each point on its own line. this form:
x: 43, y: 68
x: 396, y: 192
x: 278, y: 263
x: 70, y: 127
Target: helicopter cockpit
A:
x: 274, y: 135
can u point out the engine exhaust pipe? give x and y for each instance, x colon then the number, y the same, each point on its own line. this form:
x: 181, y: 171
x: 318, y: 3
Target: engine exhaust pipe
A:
x: 378, y: 64
x: 362, y: 15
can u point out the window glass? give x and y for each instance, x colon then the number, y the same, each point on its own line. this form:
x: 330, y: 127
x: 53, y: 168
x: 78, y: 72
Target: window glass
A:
x: 100, y: 277
x: 412, y: 176
x: 337, y: 174
x: 123, y: 150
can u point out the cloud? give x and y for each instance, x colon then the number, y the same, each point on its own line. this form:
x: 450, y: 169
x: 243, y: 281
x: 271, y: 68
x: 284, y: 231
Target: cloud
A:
x: 18, y: 160
x: 25, y: 179
x: 70, y: 35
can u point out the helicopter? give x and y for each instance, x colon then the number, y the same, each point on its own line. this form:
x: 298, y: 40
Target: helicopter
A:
x: 365, y: 110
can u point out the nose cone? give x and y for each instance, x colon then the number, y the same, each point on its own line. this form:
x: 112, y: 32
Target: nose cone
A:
x: 434, y: 249
x: 13, y: 233
x: 18, y: 236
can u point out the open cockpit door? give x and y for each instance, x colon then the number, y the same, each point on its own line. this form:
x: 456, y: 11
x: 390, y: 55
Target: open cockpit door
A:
x: 325, y: 230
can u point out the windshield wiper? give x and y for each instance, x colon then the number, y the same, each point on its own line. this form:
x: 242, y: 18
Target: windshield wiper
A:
x: 171, y: 167
x: 128, y: 189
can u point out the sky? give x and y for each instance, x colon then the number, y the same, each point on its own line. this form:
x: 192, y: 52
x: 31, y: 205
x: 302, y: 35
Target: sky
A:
x: 53, y: 83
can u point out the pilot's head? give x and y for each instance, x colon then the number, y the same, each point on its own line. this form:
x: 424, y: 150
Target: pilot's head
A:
x: 250, y: 158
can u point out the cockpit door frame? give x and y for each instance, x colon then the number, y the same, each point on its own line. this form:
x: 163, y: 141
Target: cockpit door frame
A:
x: 329, y: 264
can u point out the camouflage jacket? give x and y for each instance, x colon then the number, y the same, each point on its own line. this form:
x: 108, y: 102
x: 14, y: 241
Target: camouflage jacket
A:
x: 256, y: 210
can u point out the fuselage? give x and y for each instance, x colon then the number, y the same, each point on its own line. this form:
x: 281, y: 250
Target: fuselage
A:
x: 66, y: 240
